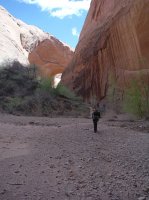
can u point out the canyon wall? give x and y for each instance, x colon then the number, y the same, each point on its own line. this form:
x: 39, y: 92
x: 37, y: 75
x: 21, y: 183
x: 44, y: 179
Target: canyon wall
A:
x: 113, y: 46
x: 51, y: 56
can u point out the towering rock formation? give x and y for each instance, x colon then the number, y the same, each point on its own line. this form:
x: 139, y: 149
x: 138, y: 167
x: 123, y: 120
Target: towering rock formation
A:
x: 114, y: 44
x: 51, y: 55
x: 18, y: 41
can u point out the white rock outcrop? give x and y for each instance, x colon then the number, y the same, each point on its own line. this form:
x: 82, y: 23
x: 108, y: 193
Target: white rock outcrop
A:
x: 18, y: 39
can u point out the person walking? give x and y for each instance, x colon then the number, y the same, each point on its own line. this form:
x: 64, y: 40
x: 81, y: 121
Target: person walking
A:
x: 95, y: 118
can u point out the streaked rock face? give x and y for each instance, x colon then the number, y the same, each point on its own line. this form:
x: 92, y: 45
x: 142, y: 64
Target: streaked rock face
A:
x: 18, y: 41
x: 114, y: 42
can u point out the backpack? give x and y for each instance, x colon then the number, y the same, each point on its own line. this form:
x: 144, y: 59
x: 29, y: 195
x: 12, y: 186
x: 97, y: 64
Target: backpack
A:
x: 96, y: 116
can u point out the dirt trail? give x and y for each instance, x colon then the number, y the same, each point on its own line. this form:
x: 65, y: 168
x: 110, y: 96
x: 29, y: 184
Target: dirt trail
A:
x: 62, y: 159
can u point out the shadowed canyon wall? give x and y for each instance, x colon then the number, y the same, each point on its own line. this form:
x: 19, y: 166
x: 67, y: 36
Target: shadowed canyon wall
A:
x: 114, y: 42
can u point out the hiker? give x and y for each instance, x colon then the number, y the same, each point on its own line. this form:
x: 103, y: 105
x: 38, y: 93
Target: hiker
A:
x: 95, y: 117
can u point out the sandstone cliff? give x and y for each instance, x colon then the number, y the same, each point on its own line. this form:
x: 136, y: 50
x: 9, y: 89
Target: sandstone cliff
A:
x: 51, y: 56
x: 114, y: 42
x: 20, y: 41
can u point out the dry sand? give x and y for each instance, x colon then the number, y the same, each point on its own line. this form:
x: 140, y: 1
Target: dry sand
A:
x: 62, y: 159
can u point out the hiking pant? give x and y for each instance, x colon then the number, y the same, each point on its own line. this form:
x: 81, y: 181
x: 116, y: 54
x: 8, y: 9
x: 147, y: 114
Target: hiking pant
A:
x: 95, y: 125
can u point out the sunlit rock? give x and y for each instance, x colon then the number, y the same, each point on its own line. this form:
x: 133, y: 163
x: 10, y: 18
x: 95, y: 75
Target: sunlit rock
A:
x: 29, y: 44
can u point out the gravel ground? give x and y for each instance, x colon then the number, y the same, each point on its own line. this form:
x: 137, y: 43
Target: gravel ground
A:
x: 62, y: 159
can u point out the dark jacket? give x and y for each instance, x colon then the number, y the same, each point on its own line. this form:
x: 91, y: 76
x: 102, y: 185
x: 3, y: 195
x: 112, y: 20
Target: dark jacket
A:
x: 96, y: 115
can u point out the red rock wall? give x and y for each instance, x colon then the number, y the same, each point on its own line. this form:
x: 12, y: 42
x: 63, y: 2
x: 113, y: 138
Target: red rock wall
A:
x: 114, y: 40
x: 51, y: 56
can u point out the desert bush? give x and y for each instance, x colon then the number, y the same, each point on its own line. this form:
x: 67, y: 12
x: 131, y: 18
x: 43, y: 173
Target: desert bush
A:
x: 16, y: 80
x: 135, y: 99
x: 46, y: 84
x: 64, y: 91
x: 12, y: 103
x: 23, y: 92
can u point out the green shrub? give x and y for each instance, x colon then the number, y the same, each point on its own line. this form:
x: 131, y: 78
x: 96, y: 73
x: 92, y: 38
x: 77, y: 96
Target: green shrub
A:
x: 46, y: 84
x: 22, y: 92
x: 12, y: 104
x: 135, y: 100
x: 64, y: 91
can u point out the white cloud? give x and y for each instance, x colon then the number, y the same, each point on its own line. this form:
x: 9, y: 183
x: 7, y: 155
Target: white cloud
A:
x: 75, y: 32
x: 61, y: 8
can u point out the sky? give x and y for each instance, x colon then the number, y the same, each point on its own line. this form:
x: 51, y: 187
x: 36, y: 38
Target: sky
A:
x: 63, y: 19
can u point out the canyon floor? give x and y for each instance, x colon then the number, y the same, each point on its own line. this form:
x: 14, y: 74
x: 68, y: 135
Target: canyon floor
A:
x: 63, y: 159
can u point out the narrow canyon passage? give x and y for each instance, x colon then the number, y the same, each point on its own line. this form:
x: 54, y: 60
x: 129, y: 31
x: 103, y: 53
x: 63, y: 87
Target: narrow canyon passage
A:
x: 62, y: 159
